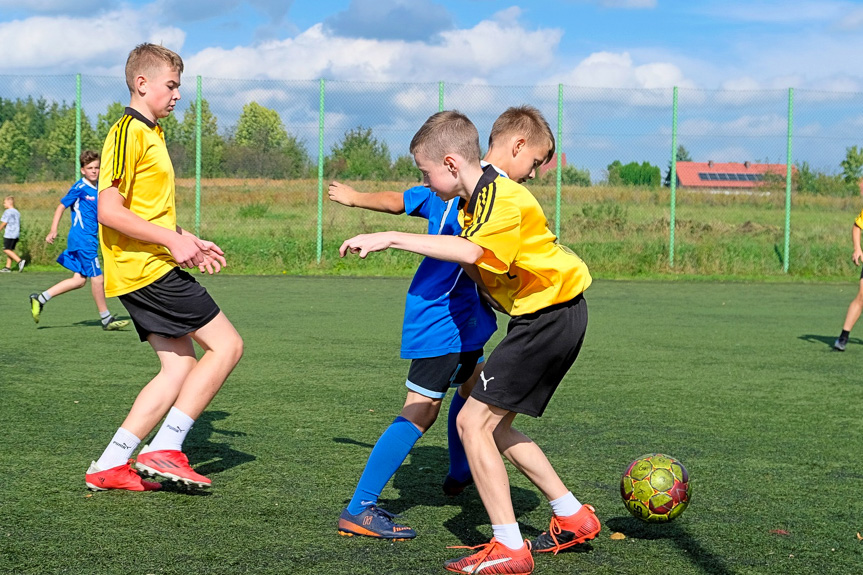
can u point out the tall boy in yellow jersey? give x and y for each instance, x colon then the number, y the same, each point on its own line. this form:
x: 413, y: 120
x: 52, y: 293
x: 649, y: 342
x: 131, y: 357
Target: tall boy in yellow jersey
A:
x: 144, y: 249
x: 505, y: 245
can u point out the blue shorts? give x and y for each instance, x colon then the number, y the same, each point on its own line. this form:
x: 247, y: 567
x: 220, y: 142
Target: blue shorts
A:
x: 81, y: 262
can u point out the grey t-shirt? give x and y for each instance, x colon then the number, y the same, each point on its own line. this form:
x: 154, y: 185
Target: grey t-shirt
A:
x: 12, y: 217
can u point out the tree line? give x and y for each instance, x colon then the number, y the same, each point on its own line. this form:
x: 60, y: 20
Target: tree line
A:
x: 37, y: 143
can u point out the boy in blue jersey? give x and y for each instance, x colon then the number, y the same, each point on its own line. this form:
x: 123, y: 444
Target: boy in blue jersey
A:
x: 82, y: 246
x: 445, y: 328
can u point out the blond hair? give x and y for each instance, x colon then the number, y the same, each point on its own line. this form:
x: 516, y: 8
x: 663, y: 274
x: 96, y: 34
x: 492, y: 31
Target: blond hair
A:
x: 525, y: 122
x: 447, y: 132
x: 145, y: 59
x: 10, y: 199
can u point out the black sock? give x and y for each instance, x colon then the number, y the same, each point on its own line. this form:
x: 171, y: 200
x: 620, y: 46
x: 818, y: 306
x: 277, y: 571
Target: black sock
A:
x: 844, y: 335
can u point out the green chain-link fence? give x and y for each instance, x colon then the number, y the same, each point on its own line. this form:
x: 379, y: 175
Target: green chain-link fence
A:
x: 254, y: 157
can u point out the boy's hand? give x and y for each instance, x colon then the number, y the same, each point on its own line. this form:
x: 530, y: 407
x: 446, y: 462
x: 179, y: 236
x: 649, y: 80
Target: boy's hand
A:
x: 364, y: 244
x: 187, y: 250
x: 214, y: 258
x: 52, y: 235
x: 857, y: 257
x: 341, y: 194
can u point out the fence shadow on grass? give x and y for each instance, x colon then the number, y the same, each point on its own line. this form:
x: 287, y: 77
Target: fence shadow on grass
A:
x: 703, y: 559
x: 828, y: 339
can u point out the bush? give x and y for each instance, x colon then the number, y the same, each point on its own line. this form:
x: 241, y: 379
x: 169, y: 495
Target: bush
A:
x: 569, y: 176
x: 634, y: 174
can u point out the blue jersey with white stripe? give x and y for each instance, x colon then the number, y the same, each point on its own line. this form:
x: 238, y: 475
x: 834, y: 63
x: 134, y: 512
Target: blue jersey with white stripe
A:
x: 443, y: 310
x: 84, y: 232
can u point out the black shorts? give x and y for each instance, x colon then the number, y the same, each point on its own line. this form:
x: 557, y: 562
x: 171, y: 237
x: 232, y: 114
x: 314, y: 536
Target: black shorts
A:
x: 433, y: 376
x: 172, y: 306
x: 526, y: 367
x: 10, y: 243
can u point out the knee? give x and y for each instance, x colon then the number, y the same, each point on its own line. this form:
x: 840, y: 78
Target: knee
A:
x: 235, y: 348
x: 79, y: 282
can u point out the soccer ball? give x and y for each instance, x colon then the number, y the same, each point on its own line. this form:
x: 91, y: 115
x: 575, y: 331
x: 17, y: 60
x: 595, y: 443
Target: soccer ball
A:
x: 655, y: 488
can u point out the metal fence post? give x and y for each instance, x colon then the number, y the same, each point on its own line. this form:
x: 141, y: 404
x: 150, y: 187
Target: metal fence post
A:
x: 559, y: 161
x: 77, y: 172
x: 321, y: 174
x: 440, y: 96
x: 788, y: 180
x: 198, y: 114
x: 673, y: 177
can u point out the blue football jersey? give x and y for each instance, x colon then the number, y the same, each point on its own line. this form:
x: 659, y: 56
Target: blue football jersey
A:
x: 82, y: 199
x: 443, y: 310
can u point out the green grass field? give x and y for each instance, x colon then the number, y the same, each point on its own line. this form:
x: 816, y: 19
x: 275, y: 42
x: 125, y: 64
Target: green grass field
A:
x: 737, y: 380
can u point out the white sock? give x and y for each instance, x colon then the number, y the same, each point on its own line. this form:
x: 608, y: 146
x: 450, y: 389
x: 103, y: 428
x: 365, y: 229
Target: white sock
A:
x: 44, y: 297
x: 566, y: 505
x: 509, y: 535
x: 173, y: 432
x: 118, y: 452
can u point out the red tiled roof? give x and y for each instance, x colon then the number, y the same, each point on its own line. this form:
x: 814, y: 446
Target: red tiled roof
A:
x: 552, y: 164
x: 688, y: 173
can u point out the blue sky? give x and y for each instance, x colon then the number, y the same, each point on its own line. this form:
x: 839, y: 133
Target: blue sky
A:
x: 732, y: 59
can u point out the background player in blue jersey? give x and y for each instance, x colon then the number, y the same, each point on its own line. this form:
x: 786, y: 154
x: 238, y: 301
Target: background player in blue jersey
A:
x: 82, y: 247
x: 445, y: 329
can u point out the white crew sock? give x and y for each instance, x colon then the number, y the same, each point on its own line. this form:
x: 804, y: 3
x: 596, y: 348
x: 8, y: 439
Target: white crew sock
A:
x: 173, y: 432
x: 566, y: 505
x: 118, y: 452
x: 509, y: 535
x: 44, y: 297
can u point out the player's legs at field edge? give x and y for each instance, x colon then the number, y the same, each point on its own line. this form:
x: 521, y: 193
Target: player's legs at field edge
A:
x: 854, y: 310
x: 10, y: 257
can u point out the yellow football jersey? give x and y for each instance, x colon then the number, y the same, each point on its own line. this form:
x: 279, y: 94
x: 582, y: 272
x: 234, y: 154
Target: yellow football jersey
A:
x: 135, y: 160
x: 523, y: 266
x: 859, y: 221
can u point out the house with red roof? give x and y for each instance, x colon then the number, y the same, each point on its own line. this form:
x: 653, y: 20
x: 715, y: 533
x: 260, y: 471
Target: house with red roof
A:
x: 727, y: 175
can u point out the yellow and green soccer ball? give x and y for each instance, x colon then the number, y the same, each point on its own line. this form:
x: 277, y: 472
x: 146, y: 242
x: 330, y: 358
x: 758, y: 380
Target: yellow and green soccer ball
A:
x: 655, y: 488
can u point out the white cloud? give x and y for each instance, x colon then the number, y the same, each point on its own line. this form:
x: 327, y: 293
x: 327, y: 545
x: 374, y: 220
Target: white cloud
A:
x: 613, y: 70
x: 851, y: 20
x: 96, y: 42
x: 500, y: 47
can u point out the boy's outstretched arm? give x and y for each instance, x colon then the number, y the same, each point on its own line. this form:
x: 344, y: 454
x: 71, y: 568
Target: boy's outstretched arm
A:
x: 186, y: 249
x: 445, y: 248
x: 387, y: 202
x: 58, y: 213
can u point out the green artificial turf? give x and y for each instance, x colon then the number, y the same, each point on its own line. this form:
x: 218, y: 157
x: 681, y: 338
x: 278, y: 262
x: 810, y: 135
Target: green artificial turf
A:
x: 737, y: 380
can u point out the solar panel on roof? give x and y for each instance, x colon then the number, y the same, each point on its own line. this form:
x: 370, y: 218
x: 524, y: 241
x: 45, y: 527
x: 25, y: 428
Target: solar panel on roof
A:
x: 703, y: 176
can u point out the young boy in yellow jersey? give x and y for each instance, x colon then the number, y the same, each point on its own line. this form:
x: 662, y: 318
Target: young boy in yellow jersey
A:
x: 856, y: 305
x: 144, y: 250
x: 506, y: 246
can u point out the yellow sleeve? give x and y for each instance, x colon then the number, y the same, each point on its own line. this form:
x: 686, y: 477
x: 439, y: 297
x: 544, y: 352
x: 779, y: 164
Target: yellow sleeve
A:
x: 859, y: 221
x: 495, y: 228
x: 120, y: 158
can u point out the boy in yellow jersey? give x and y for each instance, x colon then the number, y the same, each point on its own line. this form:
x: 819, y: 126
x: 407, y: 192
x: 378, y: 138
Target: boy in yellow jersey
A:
x: 505, y: 245
x: 856, y: 305
x: 144, y: 250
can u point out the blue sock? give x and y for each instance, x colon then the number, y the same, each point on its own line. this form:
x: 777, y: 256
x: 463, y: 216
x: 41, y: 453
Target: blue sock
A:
x: 388, y: 454
x: 458, y: 467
